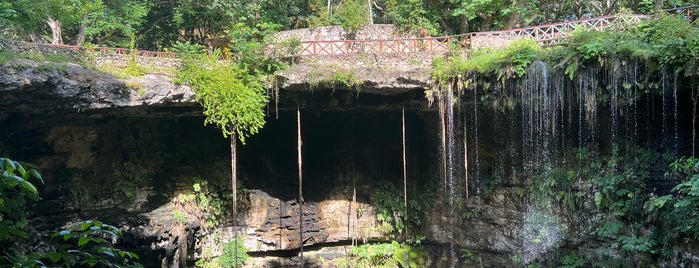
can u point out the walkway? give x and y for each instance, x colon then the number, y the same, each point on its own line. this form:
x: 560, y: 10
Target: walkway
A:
x: 548, y: 34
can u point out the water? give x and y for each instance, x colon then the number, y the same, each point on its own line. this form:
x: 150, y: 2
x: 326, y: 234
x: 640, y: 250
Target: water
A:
x: 537, y: 121
x: 540, y: 117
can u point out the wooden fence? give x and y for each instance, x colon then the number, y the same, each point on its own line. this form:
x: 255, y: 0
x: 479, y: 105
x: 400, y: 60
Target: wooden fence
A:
x: 551, y: 34
x: 548, y: 34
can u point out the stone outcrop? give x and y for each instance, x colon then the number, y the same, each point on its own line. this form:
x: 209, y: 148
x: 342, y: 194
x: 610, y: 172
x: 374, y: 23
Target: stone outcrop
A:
x: 72, y: 86
x: 273, y: 225
x: 373, y: 74
x: 328, y: 33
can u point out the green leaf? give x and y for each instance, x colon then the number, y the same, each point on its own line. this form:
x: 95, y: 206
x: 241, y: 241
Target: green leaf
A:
x: 83, y: 241
x: 30, y: 187
x: 85, y: 225
x: 36, y: 174
x: 53, y: 256
x: 22, y: 171
x: 9, y: 165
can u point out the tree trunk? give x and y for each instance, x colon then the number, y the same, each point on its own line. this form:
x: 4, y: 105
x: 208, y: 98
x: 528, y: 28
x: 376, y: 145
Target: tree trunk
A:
x: 371, y: 17
x: 300, y: 144
x: 515, y: 16
x: 56, y: 36
x: 405, y: 174
x: 463, y: 24
x: 657, y: 8
x: 234, y: 183
x: 80, y: 39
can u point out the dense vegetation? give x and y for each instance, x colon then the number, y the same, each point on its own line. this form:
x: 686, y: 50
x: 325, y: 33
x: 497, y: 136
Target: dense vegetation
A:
x: 87, y: 244
x: 157, y: 25
x: 669, y: 43
x: 633, y: 223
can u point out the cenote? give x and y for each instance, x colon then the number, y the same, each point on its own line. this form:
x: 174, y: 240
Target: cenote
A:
x: 526, y: 164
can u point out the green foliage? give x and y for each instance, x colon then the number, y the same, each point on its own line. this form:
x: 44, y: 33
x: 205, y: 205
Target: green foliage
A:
x: 669, y: 41
x: 202, y: 205
x: 91, y: 244
x: 187, y: 48
x: 673, y: 39
x: 506, y: 63
x: 334, y: 78
x: 385, y: 255
x: 229, y: 257
x: 678, y: 213
x: 411, y: 15
x: 113, y: 23
x: 47, y: 61
x: 613, y: 187
x: 347, y: 79
x: 390, y: 210
x: 571, y: 261
x: 233, y: 99
x: 352, y: 15
x: 15, y: 188
x: 248, y: 48
x: 286, y: 49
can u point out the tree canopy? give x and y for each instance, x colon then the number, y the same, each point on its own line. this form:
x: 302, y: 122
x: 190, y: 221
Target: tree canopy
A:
x: 157, y: 25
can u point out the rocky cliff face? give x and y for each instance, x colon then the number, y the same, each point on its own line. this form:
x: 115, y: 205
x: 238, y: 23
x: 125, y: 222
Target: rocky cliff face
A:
x: 130, y: 151
x: 123, y: 150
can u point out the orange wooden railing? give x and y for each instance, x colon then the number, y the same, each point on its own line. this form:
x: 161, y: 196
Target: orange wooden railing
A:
x: 548, y: 34
x: 551, y: 34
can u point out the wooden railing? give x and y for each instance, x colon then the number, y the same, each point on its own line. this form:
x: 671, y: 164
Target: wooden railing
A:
x: 408, y: 45
x: 548, y: 34
x: 551, y: 34
x: 689, y: 12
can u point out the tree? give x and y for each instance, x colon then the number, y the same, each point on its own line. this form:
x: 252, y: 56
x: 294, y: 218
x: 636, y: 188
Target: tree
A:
x: 111, y: 22
x: 233, y: 100
x: 490, y: 12
x: 95, y: 20
x: 411, y: 15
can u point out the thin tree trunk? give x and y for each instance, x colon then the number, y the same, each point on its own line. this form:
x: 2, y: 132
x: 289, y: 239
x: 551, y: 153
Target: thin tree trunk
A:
x: 463, y: 24
x: 80, y: 39
x: 515, y: 16
x: 56, y: 36
x: 300, y: 144
x: 371, y: 17
x: 405, y: 183
x: 442, y: 122
x: 466, y: 155
x: 657, y: 8
x: 234, y: 183
x: 405, y: 176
